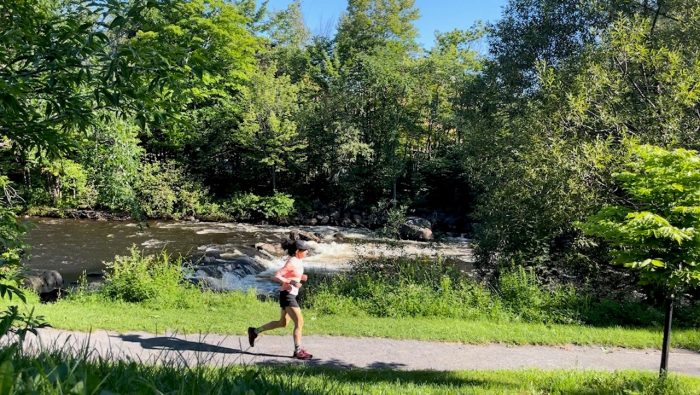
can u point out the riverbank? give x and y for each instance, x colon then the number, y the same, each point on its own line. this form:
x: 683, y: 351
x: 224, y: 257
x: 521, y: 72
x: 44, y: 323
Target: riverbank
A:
x: 442, y: 222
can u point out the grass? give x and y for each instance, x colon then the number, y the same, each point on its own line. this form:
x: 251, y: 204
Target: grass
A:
x: 232, y: 313
x: 63, y: 371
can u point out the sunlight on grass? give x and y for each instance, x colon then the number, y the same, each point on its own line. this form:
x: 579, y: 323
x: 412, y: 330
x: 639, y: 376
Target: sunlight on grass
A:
x: 232, y: 313
x: 64, y: 370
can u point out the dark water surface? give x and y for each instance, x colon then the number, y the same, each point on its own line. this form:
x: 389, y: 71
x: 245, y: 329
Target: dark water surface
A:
x: 72, y: 246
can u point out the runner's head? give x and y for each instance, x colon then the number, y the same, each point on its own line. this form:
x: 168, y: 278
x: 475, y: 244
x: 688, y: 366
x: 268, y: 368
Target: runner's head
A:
x: 302, y: 248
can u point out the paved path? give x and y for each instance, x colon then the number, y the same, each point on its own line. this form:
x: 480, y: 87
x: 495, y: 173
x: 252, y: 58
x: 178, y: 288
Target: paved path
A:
x: 349, y: 352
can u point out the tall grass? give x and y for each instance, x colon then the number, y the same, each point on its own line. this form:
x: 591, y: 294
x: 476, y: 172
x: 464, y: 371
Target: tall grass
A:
x: 62, y: 370
x: 423, y: 287
x: 395, y: 288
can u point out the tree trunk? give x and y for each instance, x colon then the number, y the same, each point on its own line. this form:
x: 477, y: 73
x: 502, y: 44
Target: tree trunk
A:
x: 667, y: 336
x: 274, y: 179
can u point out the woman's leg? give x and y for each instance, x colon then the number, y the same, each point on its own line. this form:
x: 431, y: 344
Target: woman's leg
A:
x: 298, y: 318
x: 281, y: 323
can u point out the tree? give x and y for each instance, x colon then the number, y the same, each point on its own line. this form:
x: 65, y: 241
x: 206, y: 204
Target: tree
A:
x: 287, y: 37
x: 551, y: 31
x: 374, y: 47
x: 66, y: 64
x: 46, y: 71
x: 655, y: 229
x: 369, y: 25
x: 269, y: 129
x: 553, y: 150
x: 189, y: 54
x: 113, y: 154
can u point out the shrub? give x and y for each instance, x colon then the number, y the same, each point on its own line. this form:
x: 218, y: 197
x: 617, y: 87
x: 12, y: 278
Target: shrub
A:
x: 164, y: 190
x: 401, y: 287
x: 249, y: 206
x: 606, y: 312
x: 395, y: 218
x: 390, y: 217
x: 277, y: 206
x: 138, y: 278
x: 526, y: 298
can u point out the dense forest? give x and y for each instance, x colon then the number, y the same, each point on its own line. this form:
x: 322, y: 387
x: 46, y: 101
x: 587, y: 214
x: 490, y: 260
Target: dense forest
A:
x: 217, y: 109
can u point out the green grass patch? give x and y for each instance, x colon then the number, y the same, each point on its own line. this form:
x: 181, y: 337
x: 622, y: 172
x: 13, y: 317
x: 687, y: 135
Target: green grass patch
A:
x: 63, y: 371
x: 232, y: 313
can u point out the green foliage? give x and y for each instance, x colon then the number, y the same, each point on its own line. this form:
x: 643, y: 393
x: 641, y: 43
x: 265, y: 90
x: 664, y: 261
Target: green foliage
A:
x: 66, y: 370
x: 157, y: 280
x: 11, y: 250
x: 526, y: 298
x: 113, y: 156
x: 189, y: 52
x: 655, y: 231
x: 370, y: 25
x: 164, y: 190
x: 268, y: 128
x: 67, y: 184
x: 249, y: 206
x: 402, y: 288
x: 47, y: 77
x: 395, y: 218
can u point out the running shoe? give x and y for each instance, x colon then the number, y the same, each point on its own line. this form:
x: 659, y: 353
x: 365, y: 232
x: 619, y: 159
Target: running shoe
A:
x: 251, y: 336
x: 302, y: 354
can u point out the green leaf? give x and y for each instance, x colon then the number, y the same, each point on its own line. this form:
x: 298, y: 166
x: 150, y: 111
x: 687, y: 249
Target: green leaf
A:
x: 7, y: 377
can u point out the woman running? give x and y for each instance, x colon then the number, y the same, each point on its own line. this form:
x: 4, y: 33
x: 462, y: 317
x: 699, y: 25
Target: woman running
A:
x: 290, y: 277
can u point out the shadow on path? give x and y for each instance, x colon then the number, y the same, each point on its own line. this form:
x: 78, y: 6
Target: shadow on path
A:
x: 170, y: 343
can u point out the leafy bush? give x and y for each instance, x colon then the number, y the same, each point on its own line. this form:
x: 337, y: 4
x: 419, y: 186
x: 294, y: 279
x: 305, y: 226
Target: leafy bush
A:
x: 249, y: 206
x: 606, y: 312
x: 390, y: 217
x: 395, y: 218
x: 401, y: 287
x: 524, y: 296
x: 138, y: 278
x: 277, y: 206
x: 689, y: 315
x: 164, y: 190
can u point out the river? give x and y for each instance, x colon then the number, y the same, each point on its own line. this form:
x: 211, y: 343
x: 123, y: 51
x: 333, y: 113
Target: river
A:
x: 73, y: 246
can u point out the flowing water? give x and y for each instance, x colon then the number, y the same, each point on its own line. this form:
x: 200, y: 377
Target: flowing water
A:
x: 224, y: 253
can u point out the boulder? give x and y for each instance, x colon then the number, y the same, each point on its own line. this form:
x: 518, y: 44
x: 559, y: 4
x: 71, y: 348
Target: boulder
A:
x: 273, y: 249
x: 357, y: 219
x: 416, y: 228
x: 44, y: 282
x: 303, y: 235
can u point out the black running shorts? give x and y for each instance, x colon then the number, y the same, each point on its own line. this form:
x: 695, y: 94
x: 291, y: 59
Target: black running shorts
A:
x: 288, y: 300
